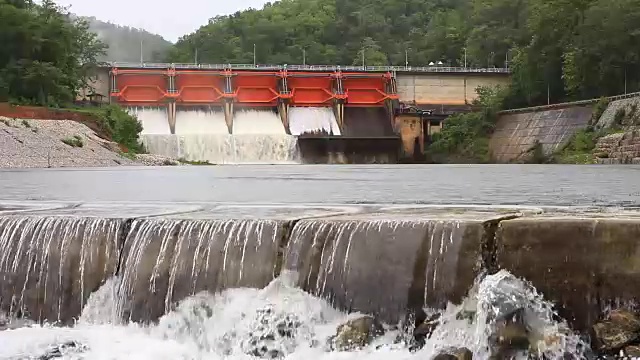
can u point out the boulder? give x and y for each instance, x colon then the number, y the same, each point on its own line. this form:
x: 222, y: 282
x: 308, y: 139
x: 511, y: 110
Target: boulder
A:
x: 356, y: 333
x: 620, y: 329
x: 454, y: 354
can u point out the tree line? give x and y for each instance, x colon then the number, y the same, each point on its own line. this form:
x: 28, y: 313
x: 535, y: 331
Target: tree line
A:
x: 45, y: 57
x: 558, y: 50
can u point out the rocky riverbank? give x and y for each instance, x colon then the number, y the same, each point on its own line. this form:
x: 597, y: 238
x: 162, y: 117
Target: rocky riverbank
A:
x: 28, y: 143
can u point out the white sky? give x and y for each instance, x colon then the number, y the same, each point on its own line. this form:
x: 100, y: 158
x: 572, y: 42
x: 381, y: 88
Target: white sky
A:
x: 171, y: 19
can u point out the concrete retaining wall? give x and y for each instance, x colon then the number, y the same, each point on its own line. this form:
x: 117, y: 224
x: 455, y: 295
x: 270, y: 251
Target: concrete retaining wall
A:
x: 516, y: 133
x: 445, y: 89
x: 374, y: 259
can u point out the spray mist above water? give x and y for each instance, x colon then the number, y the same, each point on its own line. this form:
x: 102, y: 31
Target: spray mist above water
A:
x: 282, y: 321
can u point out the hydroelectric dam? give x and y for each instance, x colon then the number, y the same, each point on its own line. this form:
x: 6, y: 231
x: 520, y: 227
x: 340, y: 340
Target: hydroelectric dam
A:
x: 290, y: 114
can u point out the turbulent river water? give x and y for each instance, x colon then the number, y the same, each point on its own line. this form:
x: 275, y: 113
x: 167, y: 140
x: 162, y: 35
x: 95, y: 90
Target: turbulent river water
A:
x: 278, y: 320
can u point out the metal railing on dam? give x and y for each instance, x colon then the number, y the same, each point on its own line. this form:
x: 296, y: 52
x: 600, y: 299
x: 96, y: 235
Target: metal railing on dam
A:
x: 417, y: 69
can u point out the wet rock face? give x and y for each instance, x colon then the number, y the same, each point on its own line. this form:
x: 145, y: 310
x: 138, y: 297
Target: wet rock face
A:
x: 454, y: 354
x: 356, y: 333
x: 581, y: 264
x: 622, y: 328
x: 385, y: 266
x: 50, y: 265
x: 167, y: 260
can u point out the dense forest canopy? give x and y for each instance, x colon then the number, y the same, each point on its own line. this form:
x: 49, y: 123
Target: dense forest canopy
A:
x: 558, y: 49
x: 128, y: 44
x: 46, y: 57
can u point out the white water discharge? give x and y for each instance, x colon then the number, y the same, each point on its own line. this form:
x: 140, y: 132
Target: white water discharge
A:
x: 312, y: 119
x: 154, y: 120
x: 279, y: 321
x: 202, y: 135
x: 254, y: 122
x: 198, y: 122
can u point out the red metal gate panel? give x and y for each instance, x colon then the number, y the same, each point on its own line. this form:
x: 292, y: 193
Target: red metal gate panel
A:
x: 199, y: 88
x: 138, y: 87
x: 310, y: 91
x: 368, y: 91
x: 256, y: 88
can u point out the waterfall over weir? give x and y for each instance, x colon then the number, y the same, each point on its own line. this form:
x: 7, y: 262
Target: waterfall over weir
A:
x: 258, y: 137
x: 194, y: 284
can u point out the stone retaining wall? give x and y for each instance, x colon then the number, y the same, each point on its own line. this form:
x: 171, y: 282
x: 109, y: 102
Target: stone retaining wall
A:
x: 622, y: 148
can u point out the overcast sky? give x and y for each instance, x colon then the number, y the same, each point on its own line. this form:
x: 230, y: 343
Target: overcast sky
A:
x: 171, y: 19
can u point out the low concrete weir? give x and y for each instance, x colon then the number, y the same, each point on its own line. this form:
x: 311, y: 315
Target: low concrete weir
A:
x: 49, y: 265
x: 586, y: 264
x: 374, y: 259
x: 166, y: 260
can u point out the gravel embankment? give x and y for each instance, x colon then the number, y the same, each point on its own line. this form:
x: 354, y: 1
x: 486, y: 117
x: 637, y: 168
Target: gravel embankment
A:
x: 41, y: 144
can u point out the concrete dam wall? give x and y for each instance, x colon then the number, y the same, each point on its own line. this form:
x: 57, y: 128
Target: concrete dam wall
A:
x: 518, y: 131
x: 373, y: 259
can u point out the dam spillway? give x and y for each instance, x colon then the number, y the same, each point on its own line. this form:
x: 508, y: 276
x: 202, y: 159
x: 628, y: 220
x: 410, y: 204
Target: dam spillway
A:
x: 263, y: 112
x: 373, y: 259
x: 154, y: 264
x: 202, y: 134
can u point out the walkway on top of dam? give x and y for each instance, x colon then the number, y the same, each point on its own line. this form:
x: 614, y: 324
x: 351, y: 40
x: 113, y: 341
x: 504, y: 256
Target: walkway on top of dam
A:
x: 403, y: 69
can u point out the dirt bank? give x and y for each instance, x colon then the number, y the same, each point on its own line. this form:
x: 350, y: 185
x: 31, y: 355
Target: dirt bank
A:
x: 60, y: 143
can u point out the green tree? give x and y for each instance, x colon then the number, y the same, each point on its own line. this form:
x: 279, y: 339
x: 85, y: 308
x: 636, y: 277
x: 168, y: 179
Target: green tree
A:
x: 46, y: 57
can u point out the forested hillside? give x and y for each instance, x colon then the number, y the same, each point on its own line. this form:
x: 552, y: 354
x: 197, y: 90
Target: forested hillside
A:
x: 125, y: 43
x: 45, y: 57
x: 558, y: 49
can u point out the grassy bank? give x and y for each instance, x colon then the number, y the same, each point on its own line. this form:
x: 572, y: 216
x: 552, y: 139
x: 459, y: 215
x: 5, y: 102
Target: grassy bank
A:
x: 118, y: 125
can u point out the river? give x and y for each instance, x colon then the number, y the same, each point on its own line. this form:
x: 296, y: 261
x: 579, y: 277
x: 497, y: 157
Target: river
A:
x: 160, y: 258
x: 553, y: 185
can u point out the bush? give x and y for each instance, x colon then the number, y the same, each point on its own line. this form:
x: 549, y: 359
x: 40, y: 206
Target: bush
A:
x: 465, y: 137
x: 75, y: 141
x: 123, y: 128
x: 598, y: 110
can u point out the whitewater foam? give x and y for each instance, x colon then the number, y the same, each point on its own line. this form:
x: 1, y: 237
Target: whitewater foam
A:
x: 202, y: 135
x: 200, y: 121
x: 154, y: 119
x: 258, y: 122
x: 312, y: 119
x: 236, y: 323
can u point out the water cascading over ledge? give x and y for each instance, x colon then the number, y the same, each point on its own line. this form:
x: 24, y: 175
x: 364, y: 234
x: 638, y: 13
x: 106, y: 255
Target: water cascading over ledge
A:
x: 167, y: 260
x: 372, y: 263
x: 386, y: 266
x: 50, y: 265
